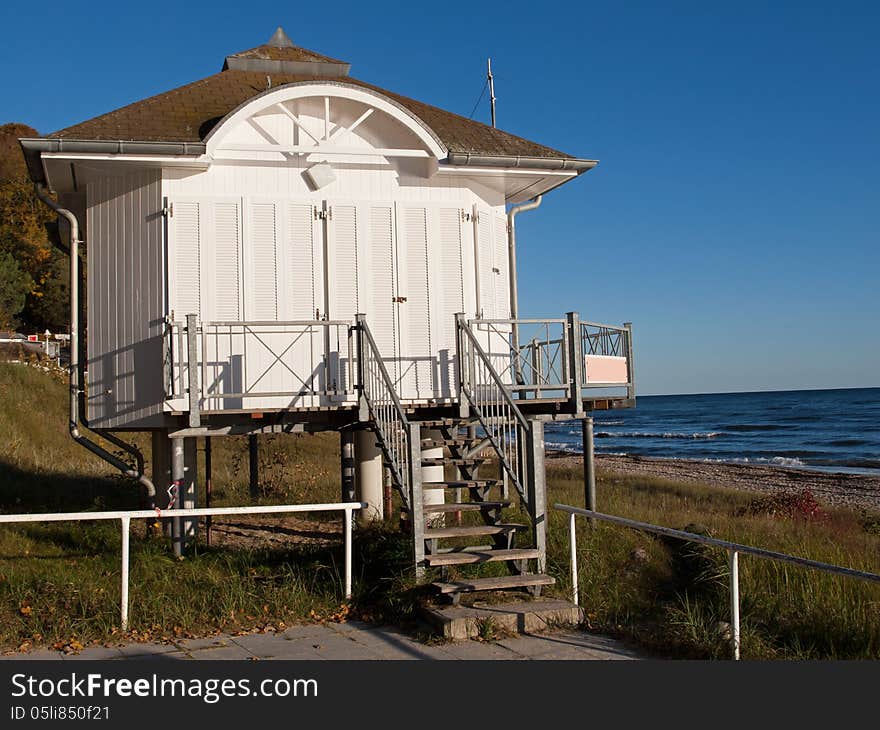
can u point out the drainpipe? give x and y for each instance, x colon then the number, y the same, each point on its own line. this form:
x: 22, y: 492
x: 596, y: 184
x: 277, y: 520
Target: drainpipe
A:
x: 511, y: 267
x: 73, y: 367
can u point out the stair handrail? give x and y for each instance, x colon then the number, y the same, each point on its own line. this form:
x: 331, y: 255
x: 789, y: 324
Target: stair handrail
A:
x: 382, y: 407
x: 506, y: 438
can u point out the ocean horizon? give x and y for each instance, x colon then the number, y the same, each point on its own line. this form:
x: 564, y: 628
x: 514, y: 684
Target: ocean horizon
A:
x: 832, y: 429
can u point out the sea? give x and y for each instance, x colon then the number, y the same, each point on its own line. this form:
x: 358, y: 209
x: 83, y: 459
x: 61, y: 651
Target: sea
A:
x: 827, y: 430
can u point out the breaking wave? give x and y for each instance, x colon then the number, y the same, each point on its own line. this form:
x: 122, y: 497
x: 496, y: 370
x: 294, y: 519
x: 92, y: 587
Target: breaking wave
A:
x: 657, y: 435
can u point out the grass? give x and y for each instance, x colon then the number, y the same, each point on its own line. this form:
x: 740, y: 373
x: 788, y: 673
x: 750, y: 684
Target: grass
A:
x: 59, y: 584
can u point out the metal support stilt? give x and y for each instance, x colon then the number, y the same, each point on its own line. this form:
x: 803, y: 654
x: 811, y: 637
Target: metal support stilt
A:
x: 254, y: 463
x: 589, y: 465
x: 346, y: 465
x: 178, y: 474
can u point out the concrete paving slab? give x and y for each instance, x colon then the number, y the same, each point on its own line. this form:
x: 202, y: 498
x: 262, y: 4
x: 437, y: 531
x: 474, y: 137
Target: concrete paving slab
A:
x: 466, y: 622
x: 141, y: 649
x: 233, y: 651
x: 95, y: 652
x: 207, y: 642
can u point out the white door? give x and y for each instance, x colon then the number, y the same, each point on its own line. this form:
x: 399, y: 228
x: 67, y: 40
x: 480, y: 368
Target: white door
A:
x: 415, y: 294
x: 205, y: 279
x: 493, y: 290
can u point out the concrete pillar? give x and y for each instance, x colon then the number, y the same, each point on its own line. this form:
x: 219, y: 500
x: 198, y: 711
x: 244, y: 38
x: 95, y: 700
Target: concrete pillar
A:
x: 368, y: 475
x: 346, y: 465
x: 433, y: 474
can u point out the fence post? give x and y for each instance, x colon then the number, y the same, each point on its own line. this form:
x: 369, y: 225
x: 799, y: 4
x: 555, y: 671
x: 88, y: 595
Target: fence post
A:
x: 630, y: 365
x: 347, y: 518
x: 192, y: 369
x: 123, y: 601
x: 538, y: 497
x: 576, y: 362
x: 572, y: 541
x: 363, y: 407
x: 734, y: 603
x: 463, y: 372
x: 589, y: 465
x: 416, y: 500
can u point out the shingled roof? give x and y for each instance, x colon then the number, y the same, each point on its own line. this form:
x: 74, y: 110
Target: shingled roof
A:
x: 190, y: 112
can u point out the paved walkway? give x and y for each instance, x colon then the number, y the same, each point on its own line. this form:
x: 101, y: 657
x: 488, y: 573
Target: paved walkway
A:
x: 355, y: 640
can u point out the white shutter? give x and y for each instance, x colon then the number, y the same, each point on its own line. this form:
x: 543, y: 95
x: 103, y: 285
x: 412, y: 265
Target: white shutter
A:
x: 301, y: 266
x: 500, y: 268
x: 226, y: 262
x: 381, y: 309
x: 263, y: 294
x: 450, y: 286
x: 416, y: 352
x: 485, y: 264
x: 186, y: 282
x: 343, y: 293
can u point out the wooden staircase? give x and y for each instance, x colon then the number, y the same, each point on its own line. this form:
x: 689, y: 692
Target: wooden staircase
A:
x: 469, y: 528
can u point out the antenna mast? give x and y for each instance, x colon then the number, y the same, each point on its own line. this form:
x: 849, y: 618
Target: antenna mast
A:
x: 491, y: 90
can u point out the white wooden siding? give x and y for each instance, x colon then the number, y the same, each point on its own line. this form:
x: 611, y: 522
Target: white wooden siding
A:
x: 125, y: 300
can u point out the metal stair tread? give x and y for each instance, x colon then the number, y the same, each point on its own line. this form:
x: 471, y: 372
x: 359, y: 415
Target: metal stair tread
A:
x: 481, y: 556
x: 460, y: 483
x: 493, y: 583
x: 464, y: 506
x: 471, y: 530
x: 454, y: 461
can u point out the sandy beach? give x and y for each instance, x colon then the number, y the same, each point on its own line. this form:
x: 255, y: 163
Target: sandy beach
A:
x: 848, y: 490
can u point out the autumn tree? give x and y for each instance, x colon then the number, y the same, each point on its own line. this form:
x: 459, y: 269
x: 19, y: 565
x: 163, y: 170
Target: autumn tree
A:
x: 25, y: 228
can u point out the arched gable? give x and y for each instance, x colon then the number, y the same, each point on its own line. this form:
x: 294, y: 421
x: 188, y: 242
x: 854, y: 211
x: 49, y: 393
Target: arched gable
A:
x: 323, y: 121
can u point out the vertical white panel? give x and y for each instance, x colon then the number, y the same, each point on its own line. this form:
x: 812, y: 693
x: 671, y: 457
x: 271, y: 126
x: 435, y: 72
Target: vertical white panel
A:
x: 500, y: 269
x: 226, y: 261
x: 485, y: 265
x: 302, y: 267
x: 343, y: 285
x: 382, y: 285
x: 300, y: 264
x: 449, y: 291
x: 415, y: 314
x: 185, y: 254
x: 263, y: 280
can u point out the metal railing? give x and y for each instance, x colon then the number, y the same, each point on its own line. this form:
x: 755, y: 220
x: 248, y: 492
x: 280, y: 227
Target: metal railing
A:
x: 125, y: 518
x: 490, y: 400
x: 382, y: 406
x: 609, y: 341
x: 733, y: 550
x: 240, y: 361
x: 531, y: 356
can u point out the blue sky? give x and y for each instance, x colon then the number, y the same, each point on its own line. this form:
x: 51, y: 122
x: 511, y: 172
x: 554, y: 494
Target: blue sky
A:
x: 735, y: 214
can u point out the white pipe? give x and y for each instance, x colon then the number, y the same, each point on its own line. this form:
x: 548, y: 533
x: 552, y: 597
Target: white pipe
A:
x: 123, y: 600
x: 734, y: 602
x: 73, y: 367
x: 511, y: 250
x: 346, y: 521
x: 572, y: 538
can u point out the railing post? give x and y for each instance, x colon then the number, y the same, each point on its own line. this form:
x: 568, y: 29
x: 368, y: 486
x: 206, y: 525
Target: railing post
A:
x: 572, y: 542
x: 123, y: 600
x: 464, y: 409
x: 538, y: 498
x: 630, y: 365
x: 589, y: 465
x: 363, y: 407
x: 192, y: 359
x: 576, y: 363
x: 346, y: 529
x: 417, y: 504
x: 734, y: 603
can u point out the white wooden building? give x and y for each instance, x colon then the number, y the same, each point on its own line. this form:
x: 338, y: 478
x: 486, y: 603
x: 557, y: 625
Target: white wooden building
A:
x: 234, y: 228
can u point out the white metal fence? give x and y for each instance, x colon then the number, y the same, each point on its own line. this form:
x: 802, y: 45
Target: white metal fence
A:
x: 125, y: 518
x: 733, y: 550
